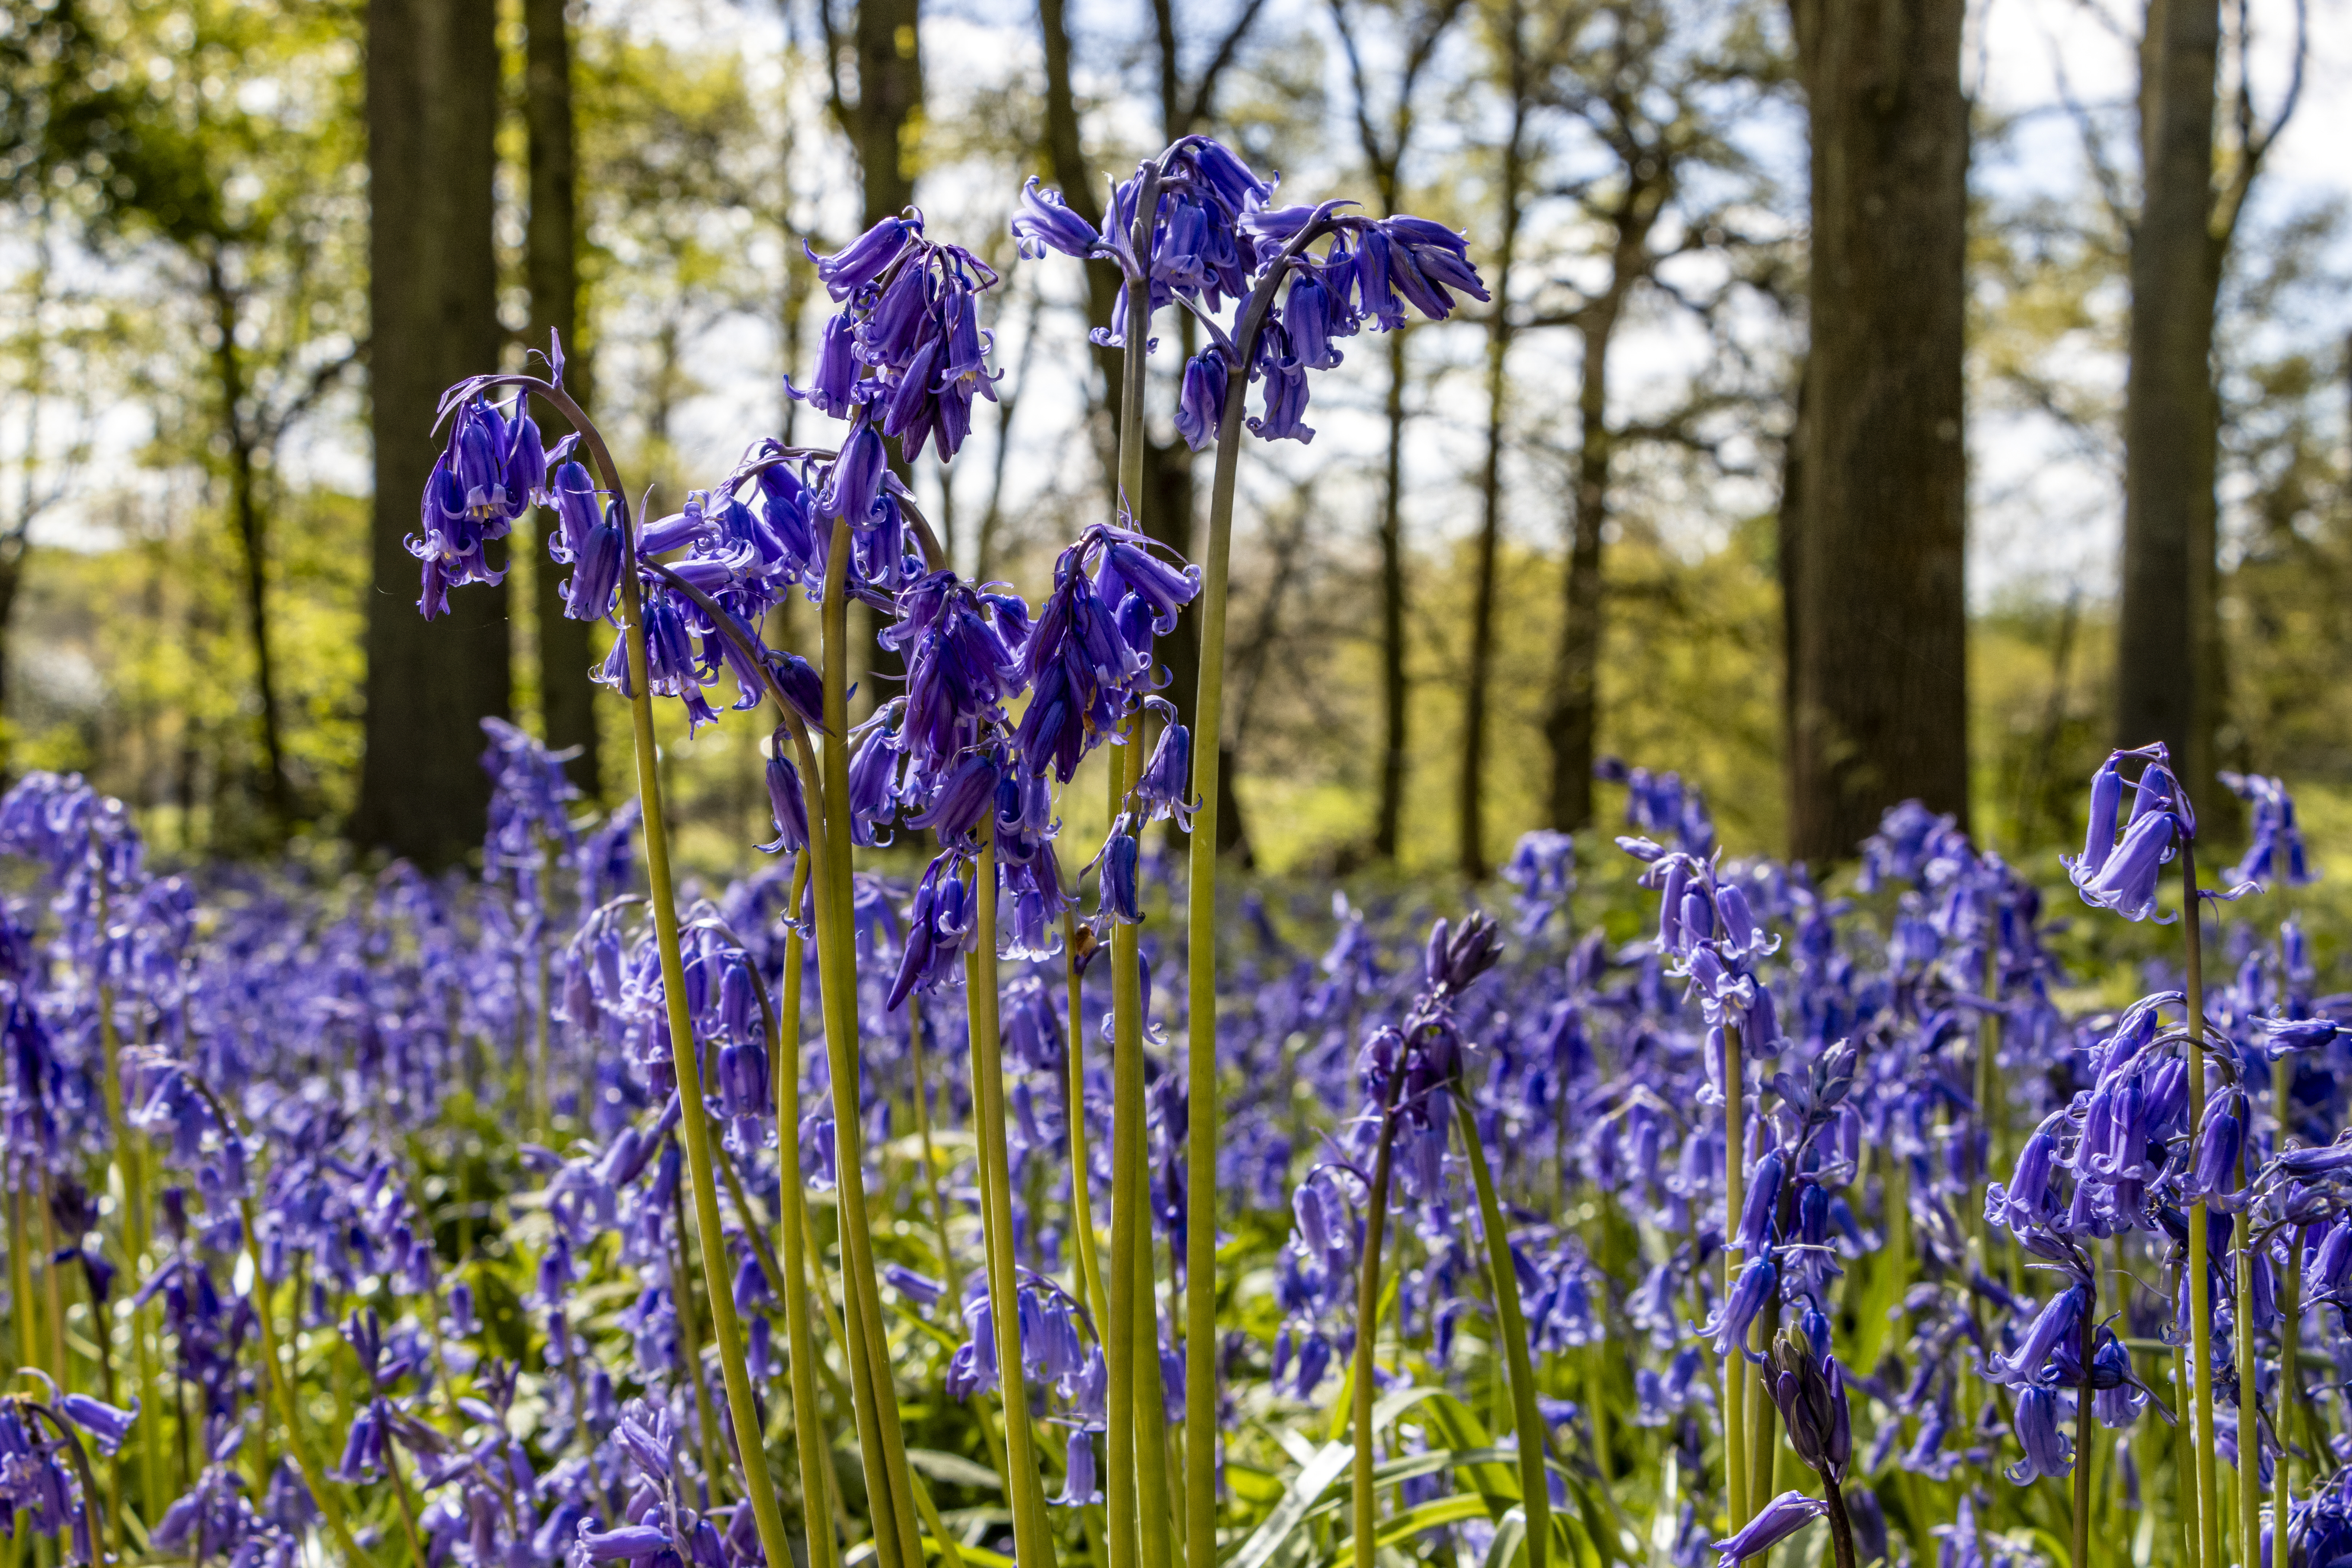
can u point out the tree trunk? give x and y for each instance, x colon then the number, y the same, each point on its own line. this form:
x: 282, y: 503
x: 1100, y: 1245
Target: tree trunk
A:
x: 1394, y: 713
x: 432, y: 90
x: 888, y: 118
x: 1789, y: 538
x: 1471, y: 850
x: 253, y: 543
x: 889, y: 103
x: 2163, y: 690
x: 1569, y: 721
x: 1571, y: 717
x: 1879, y: 683
x: 550, y: 242
x: 12, y: 579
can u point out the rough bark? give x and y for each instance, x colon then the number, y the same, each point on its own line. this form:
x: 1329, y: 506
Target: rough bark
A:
x: 1571, y: 714
x: 1881, y: 624
x: 1395, y: 689
x: 567, y: 650
x: 2162, y: 690
x: 432, y: 90
x: 1470, y: 849
x: 246, y: 516
x: 883, y: 124
x: 889, y: 108
x: 1789, y: 541
x: 1570, y: 719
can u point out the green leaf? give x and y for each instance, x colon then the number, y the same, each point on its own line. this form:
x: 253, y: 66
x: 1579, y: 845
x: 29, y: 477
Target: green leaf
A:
x: 954, y: 1469
x: 1259, y: 1548
x: 1428, y: 1516
x: 1510, y: 1535
x: 1251, y: 1484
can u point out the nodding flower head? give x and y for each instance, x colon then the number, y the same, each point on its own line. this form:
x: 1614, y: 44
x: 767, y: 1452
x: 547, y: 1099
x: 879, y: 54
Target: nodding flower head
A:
x: 2275, y: 851
x: 483, y: 480
x: 1779, y: 1519
x: 2122, y: 875
x: 907, y: 354
x: 1458, y: 955
x: 1810, y: 1388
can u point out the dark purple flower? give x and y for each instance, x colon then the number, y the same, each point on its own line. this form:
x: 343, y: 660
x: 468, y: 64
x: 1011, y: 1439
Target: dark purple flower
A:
x: 864, y: 258
x: 1779, y: 1519
x: 2047, y: 1451
x: 1202, y: 403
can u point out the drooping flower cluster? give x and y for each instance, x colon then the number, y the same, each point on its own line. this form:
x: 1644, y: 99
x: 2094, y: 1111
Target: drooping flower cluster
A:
x: 1213, y: 239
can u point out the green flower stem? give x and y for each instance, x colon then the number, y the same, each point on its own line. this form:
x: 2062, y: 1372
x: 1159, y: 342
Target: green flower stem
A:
x: 131, y: 1163
x: 1735, y: 1365
x: 694, y: 1125
x: 2201, y: 1306
x: 2290, y: 1306
x: 1074, y: 1109
x: 265, y: 1312
x: 690, y: 1331
x: 53, y: 1284
x: 20, y: 1270
x: 1201, y: 1117
x: 1123, y: 1492
x: 1139, y: 1475
x: 1033, y: 1534
x: 2250, y: 1444
x: 930, y: 1190
x: 881, y: 1443
x: 1365, y: 1499
x: 1534, y: 1490
x: 1763, y: 1416
x: 751, y: 1459
x: 2085, y: 1430
x: 2184, y: 1467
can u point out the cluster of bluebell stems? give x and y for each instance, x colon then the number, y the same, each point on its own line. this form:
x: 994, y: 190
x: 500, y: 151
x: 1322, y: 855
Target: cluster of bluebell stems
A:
x: 1616, y: 1045
x: 1587, y: 1066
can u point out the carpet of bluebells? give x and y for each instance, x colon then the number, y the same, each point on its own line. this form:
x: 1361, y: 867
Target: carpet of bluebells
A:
x: 952, y: 1201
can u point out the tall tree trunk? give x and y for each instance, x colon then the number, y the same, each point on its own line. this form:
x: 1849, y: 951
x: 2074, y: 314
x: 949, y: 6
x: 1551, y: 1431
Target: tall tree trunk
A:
x: 2163, y: 690
x: 1879, y: 682
x: 253, y: 543
x: 889, y: 103
x: 12, y: 580
x: 1789, y: 540
x: 1569, y: 721
x: 1395, y: 691
x: 888, y: 118
x: 1471, y: 848
x: 551, y: 265
x: 432, y: 92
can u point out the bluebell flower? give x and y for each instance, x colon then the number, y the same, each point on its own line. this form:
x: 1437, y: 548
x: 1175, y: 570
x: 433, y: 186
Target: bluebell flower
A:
x: 787, y: 805
x: 1774, y: 1523
x: 1162, y: 789
x: 1046, y: 222
x: 107, y: 1425
x: 1079, y: 1488
x: 2275, y: 845
x: 1201, y: 402
x: 2047, y: 1450
x: 1757, y: 1283
x: 864, y: 258
x: 1808, y: 1386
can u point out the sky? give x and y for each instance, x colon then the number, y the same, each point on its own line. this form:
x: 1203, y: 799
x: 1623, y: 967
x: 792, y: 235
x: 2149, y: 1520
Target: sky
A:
x: 2046, y: 514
